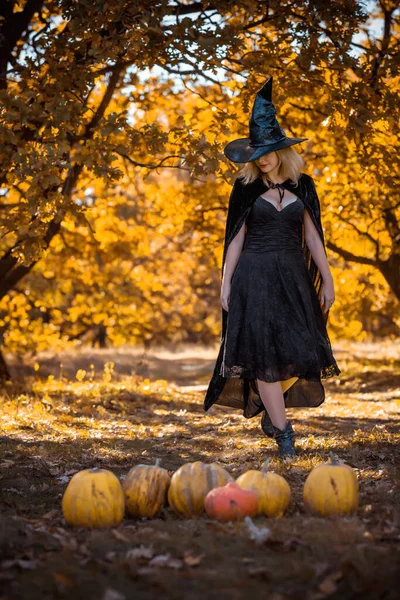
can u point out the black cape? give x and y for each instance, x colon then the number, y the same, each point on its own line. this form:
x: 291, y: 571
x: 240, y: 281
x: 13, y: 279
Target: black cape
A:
x: 240, y: 392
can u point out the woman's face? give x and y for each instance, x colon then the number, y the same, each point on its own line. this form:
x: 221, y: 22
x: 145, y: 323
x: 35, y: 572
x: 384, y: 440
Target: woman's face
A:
x: 268, y: 162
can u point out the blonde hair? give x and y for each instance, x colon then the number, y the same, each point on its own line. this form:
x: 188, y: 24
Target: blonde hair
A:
x: 290, y: 167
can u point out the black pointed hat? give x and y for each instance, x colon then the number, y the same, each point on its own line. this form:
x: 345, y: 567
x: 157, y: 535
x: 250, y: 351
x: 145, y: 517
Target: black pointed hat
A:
x: 266, y: 135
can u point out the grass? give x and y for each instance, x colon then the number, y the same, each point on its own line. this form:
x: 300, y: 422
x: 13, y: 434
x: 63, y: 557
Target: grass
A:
x: 92, y: 412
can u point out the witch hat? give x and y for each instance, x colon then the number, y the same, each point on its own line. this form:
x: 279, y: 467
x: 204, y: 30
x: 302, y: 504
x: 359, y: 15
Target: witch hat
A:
x: 266, y: 135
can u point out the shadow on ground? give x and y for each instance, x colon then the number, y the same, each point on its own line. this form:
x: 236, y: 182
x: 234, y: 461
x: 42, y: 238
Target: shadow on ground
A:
x: 49, y: 433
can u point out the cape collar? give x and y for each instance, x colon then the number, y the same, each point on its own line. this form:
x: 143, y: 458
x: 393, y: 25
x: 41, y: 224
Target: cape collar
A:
x: 287, y: 184
x: 258, y: 187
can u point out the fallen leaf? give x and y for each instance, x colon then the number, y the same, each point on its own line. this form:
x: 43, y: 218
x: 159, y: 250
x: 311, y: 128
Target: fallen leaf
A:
x: 13, y: 491
x: 259, y: 535
x: 62, y: 580
x: 260, y: 572
x: 119, y: 535
x: 328, y: 585
x: 146, y: 530
x: 7, y: 463
x: 110, y: 556
x: 166, y: 560
x: 51, y: 514
x: 144, y: 571
x: 111, y: 594
x: 140, y: 552
x: 248, y: 560
x: 190, y: 559
x: 18, y: 562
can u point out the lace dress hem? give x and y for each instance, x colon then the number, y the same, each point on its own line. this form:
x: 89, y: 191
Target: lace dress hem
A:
x: 310, y: 375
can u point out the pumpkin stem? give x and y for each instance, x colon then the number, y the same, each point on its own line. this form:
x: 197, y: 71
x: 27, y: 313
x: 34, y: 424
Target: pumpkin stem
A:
x: 335, y: 460
x: 158, y: 460
x: 265, y: 465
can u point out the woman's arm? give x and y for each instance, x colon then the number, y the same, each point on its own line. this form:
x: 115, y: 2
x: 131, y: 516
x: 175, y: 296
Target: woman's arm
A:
x: 232, y: 256
x: 316, y: 248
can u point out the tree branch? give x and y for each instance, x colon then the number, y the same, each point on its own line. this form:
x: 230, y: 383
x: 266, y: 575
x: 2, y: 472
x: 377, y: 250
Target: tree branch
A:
x: 350, y: 256
x: 364, y: 233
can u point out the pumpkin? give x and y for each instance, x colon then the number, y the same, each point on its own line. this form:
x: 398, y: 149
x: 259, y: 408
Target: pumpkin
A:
x: 190, y: 485
x: 231, y: 503
x: 273, y: 491
x: 93, y: 498
x: 145, y: 488
x: 331, y: 489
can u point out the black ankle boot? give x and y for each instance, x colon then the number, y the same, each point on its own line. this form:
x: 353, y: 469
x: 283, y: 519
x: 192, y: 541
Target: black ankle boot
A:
x: 285, y: 440
x: 266, y: 424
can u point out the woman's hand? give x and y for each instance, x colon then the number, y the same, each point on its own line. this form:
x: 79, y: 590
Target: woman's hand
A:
x: 327, y: 295
x: 225, y: 295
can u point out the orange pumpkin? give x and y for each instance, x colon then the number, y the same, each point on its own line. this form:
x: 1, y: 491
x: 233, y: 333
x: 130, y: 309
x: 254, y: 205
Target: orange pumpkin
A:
x: 231, y: 503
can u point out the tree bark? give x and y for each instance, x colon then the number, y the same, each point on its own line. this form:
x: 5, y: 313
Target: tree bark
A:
x: 12, y: 27
x: 4, y: 372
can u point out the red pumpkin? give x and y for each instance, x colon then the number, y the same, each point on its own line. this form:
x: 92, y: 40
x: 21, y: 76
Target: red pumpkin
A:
x: 230, y: 503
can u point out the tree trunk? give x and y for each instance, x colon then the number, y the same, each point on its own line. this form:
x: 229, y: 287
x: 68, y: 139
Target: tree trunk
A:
x: 101, y: 337
x: 4, y: 372
x: 12, y: 27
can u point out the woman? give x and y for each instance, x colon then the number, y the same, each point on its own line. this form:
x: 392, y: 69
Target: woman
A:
x: 277, y: 288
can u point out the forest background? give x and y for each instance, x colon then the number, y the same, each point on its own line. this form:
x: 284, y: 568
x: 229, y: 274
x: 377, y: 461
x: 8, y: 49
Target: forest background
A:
x: 113, y: 182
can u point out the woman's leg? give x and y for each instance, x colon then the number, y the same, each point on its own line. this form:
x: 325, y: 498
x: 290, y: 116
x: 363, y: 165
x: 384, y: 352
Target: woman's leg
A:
x: 272, y: 398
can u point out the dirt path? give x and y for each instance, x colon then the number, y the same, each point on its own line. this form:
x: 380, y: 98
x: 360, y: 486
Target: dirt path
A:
x: 53, y: 426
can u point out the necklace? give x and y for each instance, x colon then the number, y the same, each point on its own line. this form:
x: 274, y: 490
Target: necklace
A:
x: 279, y: 187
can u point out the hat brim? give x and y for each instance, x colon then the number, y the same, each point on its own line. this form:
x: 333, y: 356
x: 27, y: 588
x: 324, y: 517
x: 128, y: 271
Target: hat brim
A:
x: 241, y: 150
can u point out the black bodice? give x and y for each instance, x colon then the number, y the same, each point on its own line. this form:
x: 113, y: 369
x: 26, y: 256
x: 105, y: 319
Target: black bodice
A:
x: 271, y: 230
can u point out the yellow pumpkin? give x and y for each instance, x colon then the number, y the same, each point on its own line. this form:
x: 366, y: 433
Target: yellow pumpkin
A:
x: 94, y: 498
x: 331, y: 489
x: 190, y: 485
x: 145, y: 488
x: 273, y: 491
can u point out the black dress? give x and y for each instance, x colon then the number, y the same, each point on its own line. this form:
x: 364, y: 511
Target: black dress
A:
x: 275, y: 325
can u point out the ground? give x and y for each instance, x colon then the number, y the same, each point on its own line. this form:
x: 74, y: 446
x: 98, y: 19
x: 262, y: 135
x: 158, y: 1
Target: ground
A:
x: 115, y: 408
